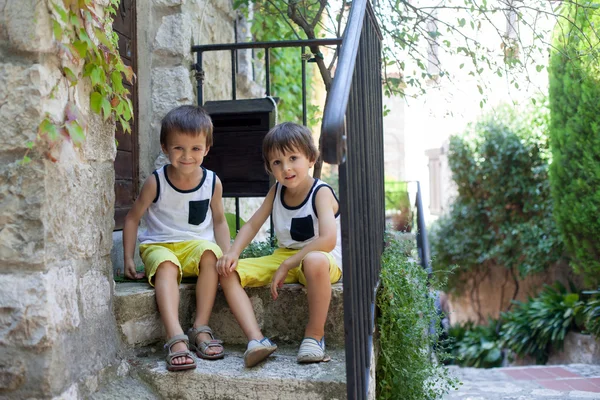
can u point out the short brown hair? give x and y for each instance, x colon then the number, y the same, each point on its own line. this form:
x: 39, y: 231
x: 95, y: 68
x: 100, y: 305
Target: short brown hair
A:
x: 289, y: 137
x: 189, y: 120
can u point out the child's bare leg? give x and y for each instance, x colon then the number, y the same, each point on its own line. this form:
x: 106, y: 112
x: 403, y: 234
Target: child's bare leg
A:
x: 240, y: 305
x: 206, y: 290
x: 167, y: 297
x: 316, y: 270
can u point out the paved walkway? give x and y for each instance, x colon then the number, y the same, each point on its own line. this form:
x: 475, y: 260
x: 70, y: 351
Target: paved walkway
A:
x: 575, y: 381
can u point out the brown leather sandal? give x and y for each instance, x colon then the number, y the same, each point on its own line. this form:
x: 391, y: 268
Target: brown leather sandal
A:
x: 174, y: 354
x: 201, y: 347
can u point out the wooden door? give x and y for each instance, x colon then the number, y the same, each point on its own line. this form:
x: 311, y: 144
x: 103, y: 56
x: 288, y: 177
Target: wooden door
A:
x: 126, y: 163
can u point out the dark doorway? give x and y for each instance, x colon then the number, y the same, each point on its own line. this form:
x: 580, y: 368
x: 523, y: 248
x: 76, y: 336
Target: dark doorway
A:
x: 126, y: 163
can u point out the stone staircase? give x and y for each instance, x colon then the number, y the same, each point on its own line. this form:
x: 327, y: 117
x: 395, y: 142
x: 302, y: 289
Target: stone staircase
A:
x: 279, y: 377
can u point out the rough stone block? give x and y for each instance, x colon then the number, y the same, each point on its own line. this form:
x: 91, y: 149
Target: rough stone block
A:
x: 80, y: 221
x: 95, y: 294
x: 277, y: 378
x: 100, y: 139
x: 22, y: 33
x: 174, y: 36
x: 171, y: 87
x: 283, y: 320
x: 22, y: 234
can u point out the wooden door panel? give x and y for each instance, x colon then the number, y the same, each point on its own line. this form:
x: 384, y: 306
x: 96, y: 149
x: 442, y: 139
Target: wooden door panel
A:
x: 126, y: 162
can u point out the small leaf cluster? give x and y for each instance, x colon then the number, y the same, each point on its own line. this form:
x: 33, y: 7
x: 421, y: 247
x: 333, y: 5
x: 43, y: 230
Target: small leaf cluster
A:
x: 538, y: 326
x: 85, y: 40
x: 503, y: 213
x: 592, y: 313
x: 574, y: 90
x: 258, y: 249
x: 534, y: 328
x: 405, y: 366
x: 479, y: 346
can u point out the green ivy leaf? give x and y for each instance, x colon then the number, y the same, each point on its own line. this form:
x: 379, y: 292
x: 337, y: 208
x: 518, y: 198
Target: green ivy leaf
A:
x: 57, y: 30
x: 96, y: 102
x: 75, y: 132
x: 106, y: 108
x: 70, y: 76
x: 49, y: 129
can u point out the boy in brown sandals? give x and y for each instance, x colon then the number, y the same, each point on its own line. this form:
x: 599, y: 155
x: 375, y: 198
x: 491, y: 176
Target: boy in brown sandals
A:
x: 186, y: 232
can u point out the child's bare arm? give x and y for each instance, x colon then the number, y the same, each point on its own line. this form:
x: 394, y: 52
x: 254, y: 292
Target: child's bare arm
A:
x: 132, y: 221
x: 327, y: 206
x: 220, y: 226
x: 228, y: 262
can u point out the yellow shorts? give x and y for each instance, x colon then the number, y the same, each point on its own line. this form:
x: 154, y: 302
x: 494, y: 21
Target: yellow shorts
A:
x: 257, y: 272
x: 186, y: 255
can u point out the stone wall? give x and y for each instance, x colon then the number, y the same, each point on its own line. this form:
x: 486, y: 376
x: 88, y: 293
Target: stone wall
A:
x: 57, y: 330
x: 495, y: 292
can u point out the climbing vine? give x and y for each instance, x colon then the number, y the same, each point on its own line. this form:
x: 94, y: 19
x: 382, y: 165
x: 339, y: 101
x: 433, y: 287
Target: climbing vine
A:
x: 87, y: 48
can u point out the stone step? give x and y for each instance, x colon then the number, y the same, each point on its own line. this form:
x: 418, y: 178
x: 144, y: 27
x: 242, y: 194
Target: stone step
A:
x: 277, y: 378
x: 283, y: 320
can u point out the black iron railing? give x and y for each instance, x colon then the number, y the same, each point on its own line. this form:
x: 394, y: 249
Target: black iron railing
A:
x: 422, y: 241
x: 352, y: 136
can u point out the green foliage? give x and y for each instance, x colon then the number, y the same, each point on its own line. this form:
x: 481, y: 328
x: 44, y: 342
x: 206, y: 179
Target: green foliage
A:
x: 476, y: 346
x: 258, y: 249
x: 575, y: 137
x: 86, y: 41
x: 539, y: 325
x: 396, y: 194
x: 405, y: 369
x: 397, y: 199
x: 230, y: 217
x: 592, y: 313
x: 502, y: 214
x: 285, y: 63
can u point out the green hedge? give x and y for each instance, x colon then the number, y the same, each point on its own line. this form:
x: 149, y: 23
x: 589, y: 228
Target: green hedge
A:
x: 575, y: 138
x: 502, y: 215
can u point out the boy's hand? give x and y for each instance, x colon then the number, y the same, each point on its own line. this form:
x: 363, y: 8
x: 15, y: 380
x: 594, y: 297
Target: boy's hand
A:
x: 226, y: 264
x: 279, y: 277
x: 130, y: 271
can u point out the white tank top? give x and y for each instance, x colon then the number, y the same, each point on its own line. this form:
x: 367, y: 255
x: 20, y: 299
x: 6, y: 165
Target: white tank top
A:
x: 295, y: 227
x: 178, y: 215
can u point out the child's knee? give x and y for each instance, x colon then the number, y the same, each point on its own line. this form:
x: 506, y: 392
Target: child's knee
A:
x: 232, y: 279
x: 167, y: 269
x: 315, y: 263
x: 208, y: 257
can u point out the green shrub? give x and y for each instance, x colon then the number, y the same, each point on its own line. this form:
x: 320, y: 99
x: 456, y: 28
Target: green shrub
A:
x: 592, y: 313
x: 258, y: 249
x: 575, y: 137
x: 502, y: 214
x: 477, y: 346
x: 405, y: 368
x: 536, y: 327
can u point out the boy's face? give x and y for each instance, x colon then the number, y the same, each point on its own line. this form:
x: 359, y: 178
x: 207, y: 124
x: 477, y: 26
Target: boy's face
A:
x: 186, y: 152
x: 290, y: 168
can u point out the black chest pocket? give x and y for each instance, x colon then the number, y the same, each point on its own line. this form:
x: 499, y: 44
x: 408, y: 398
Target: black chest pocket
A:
x: 302, y: 228
x: 198, y: 210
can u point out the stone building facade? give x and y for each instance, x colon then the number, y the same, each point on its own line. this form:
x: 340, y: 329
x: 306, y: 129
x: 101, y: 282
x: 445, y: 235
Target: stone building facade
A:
x: 57, y: 329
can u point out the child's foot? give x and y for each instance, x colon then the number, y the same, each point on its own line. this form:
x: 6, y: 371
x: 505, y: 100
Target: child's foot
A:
x: 205, y: 344
x: 179, y: 357
x: 257, y: 351
x: 311, y: 350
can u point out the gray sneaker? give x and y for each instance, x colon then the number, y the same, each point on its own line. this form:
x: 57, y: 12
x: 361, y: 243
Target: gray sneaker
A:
x: 257, y: 351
